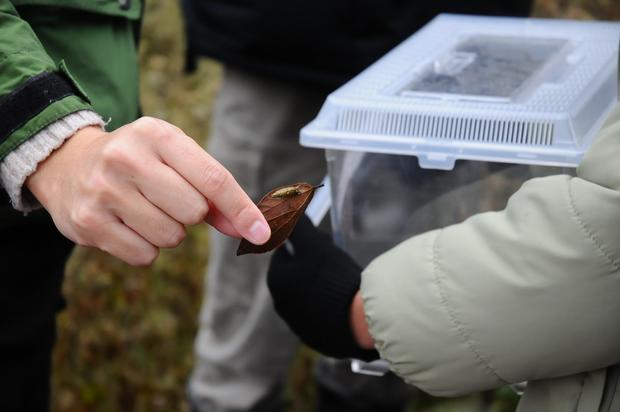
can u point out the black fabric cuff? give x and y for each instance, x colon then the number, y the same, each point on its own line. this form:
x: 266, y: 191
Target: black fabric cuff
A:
x: 332, y: 315
x: 30, y: 99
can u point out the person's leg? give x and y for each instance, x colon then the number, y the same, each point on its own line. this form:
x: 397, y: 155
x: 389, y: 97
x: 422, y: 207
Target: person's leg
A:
x: 243, y: 349
x: 33, y: 260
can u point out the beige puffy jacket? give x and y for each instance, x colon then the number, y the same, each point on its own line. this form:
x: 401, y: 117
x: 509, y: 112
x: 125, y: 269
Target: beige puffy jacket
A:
x: 530, y: 293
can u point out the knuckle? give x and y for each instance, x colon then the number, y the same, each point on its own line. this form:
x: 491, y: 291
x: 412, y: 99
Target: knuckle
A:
x: 144, y: 257
x: 99, y: 189
x: 198, y: 213
x: 166, y: 234
x: 115, y: 154
x: 145, y: 123
x: 148, y: 127
x: 81, y: 240
x: 175, y: 237
x: 215, y: 178
x: 84, y: 219
x: 177, y: 129
x: 243, y: 211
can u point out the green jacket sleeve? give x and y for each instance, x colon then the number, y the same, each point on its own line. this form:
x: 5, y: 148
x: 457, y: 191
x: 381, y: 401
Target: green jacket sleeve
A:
x: 527, y: 293
x: 34, y: 91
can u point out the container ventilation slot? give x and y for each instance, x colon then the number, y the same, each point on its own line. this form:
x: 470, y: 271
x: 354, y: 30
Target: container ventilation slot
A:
x: 518, y: 132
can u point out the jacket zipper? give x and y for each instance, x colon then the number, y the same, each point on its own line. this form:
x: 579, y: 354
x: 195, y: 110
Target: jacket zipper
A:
x: 611, y: 386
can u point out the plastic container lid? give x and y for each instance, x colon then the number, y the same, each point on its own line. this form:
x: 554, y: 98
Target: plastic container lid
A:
x: 498, y: 89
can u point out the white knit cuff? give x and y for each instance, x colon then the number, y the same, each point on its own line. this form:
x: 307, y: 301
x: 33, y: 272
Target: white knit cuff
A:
x: 23, y: 161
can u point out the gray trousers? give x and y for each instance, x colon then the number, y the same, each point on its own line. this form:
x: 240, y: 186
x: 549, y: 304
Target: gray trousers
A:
x: 243, y: 349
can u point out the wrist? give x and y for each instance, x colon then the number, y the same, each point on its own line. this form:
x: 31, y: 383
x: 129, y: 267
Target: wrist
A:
x: 24, y: 160
x: 44, y: 181
x: 359, y: 325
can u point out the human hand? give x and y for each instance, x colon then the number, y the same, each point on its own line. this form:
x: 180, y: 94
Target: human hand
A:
x: 130, y: 192
x: 315, y: 291
x: 359, y: 325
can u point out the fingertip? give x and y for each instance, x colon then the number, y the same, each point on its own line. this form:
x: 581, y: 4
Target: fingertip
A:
x: 259, y: 232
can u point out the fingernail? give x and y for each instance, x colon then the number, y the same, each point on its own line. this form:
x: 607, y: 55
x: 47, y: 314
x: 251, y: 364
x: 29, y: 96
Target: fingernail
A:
x: 259, y: 232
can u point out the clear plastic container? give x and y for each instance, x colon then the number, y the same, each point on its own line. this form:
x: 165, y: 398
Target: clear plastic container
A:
x: 380, y: 200
x: 529, y: 91
x: 452, y: 122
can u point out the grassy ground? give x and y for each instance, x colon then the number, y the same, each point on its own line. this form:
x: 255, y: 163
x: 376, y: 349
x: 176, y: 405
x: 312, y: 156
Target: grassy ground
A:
x: 125, y: 342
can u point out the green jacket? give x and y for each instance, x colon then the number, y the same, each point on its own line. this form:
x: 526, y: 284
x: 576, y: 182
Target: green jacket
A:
x: 61, y: 56
x: 530, y: 293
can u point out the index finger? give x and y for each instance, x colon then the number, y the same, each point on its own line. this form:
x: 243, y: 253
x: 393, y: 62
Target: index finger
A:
x: 215, y: 183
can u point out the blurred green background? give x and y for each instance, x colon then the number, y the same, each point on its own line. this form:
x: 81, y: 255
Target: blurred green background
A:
x: 125, y: 341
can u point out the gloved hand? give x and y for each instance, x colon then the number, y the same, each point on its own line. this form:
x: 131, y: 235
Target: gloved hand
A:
x: 313, y: 289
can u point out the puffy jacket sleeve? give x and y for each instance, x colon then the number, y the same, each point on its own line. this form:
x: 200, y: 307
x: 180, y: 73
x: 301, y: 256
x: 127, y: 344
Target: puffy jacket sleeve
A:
x: 527, y: 293
x: 34, y: 90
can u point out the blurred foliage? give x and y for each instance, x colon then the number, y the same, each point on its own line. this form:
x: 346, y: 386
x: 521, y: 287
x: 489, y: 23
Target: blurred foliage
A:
x: 578, y: 9
x: 125, y: 341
